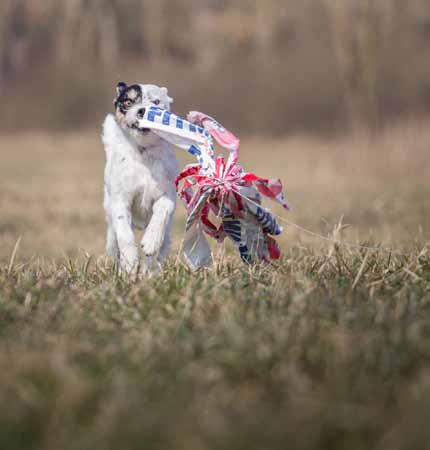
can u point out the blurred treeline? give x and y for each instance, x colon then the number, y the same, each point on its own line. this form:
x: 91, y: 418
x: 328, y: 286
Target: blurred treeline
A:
x: 258, y: 65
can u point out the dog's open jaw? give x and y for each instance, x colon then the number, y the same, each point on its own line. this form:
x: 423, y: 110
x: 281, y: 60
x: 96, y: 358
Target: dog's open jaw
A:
x: 131, y: 101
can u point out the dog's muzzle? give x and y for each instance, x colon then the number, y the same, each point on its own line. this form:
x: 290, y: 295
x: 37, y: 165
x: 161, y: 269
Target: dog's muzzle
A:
x: 133, y: 117
x: 140, y: 113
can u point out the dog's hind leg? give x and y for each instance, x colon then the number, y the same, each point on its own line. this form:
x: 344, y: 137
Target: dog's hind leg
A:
x: 112, y: 249
x: 165, y: 246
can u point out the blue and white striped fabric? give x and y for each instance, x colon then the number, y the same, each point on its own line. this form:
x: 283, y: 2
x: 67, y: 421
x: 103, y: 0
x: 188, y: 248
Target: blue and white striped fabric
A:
x: 246, y: 235
x: 266, y: 220
x: 183, y: 134
x: 233, y: 228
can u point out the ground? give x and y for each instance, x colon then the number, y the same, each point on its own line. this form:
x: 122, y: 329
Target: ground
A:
x: 329, y: 348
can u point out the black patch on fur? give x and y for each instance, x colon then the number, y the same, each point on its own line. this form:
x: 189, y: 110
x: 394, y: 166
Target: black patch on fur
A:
x: 127, y: 96
x: 120, y: 88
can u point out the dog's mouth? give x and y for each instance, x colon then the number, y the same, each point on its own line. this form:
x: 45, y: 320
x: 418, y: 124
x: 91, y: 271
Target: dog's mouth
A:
x: 140, y: 115
x: 143, y: 131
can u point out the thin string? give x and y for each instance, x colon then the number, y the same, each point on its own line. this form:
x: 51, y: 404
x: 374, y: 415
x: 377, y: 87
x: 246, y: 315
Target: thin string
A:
x: 317, y: 235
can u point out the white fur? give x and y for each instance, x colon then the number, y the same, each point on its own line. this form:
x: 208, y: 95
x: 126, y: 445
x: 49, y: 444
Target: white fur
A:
x: 139, y: 190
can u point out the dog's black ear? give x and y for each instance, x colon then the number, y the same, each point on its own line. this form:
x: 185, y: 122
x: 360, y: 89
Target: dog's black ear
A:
x: 121, y: 87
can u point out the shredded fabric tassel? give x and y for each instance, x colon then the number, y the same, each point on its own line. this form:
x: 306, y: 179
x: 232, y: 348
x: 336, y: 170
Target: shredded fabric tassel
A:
x: 218, y: 188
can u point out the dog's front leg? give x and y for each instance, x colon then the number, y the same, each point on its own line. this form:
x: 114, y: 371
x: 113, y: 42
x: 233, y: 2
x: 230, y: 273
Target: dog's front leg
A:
x: 155, y: 232
x: 128, y: 253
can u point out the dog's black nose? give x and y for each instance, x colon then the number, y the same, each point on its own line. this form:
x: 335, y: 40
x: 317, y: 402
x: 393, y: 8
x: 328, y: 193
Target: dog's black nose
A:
x: 141, y: 113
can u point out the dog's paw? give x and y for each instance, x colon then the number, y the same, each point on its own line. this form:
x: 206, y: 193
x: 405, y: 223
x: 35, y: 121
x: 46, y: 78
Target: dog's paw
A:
x: 129, y: 260
x: 150, y: 245
x: 150, y: 266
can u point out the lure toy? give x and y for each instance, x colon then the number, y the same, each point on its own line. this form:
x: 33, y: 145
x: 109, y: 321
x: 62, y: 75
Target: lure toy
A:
x: 218, y: 187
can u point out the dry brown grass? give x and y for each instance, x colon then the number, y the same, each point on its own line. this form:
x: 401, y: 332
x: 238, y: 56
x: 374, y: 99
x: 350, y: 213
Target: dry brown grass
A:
x: 330, y: 349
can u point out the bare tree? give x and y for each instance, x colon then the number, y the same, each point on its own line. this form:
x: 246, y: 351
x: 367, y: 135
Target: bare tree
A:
x: 87, y: 29
x: 356, y: 31
x: 5, y: 13
x: 153, y: 22
x: 265, y: 20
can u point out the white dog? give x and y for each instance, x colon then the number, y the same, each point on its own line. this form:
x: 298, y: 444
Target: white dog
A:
x: 140, y: 172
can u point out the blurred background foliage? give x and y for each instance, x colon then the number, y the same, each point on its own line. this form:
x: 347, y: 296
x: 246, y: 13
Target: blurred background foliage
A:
x: 263, y: 66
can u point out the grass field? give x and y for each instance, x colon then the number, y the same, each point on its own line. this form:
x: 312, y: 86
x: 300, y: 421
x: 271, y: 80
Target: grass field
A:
x: 329, y: 349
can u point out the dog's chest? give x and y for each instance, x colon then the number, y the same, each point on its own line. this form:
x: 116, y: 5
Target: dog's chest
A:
x: 149, y: 184
x: 137, y: 178
x: 147, y: 177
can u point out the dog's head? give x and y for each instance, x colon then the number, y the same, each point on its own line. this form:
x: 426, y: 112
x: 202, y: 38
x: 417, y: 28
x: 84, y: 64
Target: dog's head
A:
x: 131, y: 100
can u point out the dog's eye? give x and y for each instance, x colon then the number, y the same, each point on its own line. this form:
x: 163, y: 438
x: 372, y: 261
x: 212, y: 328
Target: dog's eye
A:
x: 128, y: 103
x: 156, y: 102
